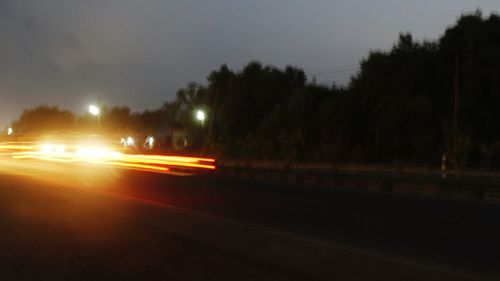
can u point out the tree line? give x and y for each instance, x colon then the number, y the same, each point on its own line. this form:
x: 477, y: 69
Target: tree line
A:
x: 409, y: 104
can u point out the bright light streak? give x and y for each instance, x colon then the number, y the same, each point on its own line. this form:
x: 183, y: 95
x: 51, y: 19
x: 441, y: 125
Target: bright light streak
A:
x: 101, y: 155
x: 8, y: 147
x: 52, y: 148
x: 179, y: 158
x: 46, y: 149
x: 140, y: 166
x: 59, y: 148
x: 10, y: 131
x: 96, y: 153
x: 177, y: 161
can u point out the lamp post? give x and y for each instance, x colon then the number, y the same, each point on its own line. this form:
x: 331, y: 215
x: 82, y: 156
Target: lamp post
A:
x: 200, y: 116
x: 94, y: 110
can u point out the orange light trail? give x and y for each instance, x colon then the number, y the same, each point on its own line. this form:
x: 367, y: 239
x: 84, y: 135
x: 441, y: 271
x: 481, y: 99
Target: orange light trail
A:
x: 20, y: 146
x: 102, y: 156
x: 167, y: 160
x: 176, y: 158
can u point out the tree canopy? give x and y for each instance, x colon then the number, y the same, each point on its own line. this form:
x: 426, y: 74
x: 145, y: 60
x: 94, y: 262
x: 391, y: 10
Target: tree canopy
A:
x: 44, y: 118
x: 399, y: 106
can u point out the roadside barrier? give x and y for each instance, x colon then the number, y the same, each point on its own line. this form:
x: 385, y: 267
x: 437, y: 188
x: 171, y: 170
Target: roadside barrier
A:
x: 469, y: 187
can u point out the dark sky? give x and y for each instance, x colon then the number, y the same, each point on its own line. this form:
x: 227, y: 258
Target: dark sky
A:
x: 138, y: 53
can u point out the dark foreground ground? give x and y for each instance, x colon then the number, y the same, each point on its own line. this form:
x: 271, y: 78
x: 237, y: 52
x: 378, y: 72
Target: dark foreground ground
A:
x: 83, y: 223
x: 54, y: 233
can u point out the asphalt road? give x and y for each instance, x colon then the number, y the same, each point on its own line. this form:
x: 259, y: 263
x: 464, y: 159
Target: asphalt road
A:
x: 84, y: 223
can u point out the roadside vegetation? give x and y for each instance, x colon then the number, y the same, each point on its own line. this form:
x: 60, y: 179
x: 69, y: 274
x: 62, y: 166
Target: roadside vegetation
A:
x: 409, y: 104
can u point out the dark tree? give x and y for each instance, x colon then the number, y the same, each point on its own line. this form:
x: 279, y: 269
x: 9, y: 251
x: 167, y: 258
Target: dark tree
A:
x: 44, y: 118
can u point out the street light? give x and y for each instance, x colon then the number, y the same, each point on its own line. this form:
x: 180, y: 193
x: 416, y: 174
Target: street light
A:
x: 94, y: 110
x: 200, y: 116
x: 10, y: 131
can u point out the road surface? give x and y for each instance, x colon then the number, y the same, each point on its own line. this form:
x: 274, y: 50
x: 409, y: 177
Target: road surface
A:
x: 86, y: 223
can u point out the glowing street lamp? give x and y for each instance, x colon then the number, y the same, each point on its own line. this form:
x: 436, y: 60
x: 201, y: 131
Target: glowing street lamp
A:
x: 10, y: 131
x: 200, y: 116
x: 94, y: 110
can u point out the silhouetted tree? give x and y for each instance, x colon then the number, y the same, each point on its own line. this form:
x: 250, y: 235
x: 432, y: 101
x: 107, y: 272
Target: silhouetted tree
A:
x: 398, y: 108
x: 42, y: 119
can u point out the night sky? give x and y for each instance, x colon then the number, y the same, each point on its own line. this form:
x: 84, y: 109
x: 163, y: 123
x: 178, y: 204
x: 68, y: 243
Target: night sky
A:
x: 138, y: 53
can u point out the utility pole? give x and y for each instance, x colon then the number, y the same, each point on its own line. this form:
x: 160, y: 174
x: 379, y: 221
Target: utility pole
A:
x: 212, y: 115
x: 455, y: 116
x: 100, y: 112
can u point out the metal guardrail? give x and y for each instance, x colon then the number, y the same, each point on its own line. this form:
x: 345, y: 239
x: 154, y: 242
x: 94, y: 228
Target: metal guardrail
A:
x: 467, y: 186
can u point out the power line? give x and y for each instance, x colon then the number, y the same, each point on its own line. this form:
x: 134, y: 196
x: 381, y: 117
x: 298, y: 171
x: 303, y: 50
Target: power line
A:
x: 335, y: 70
